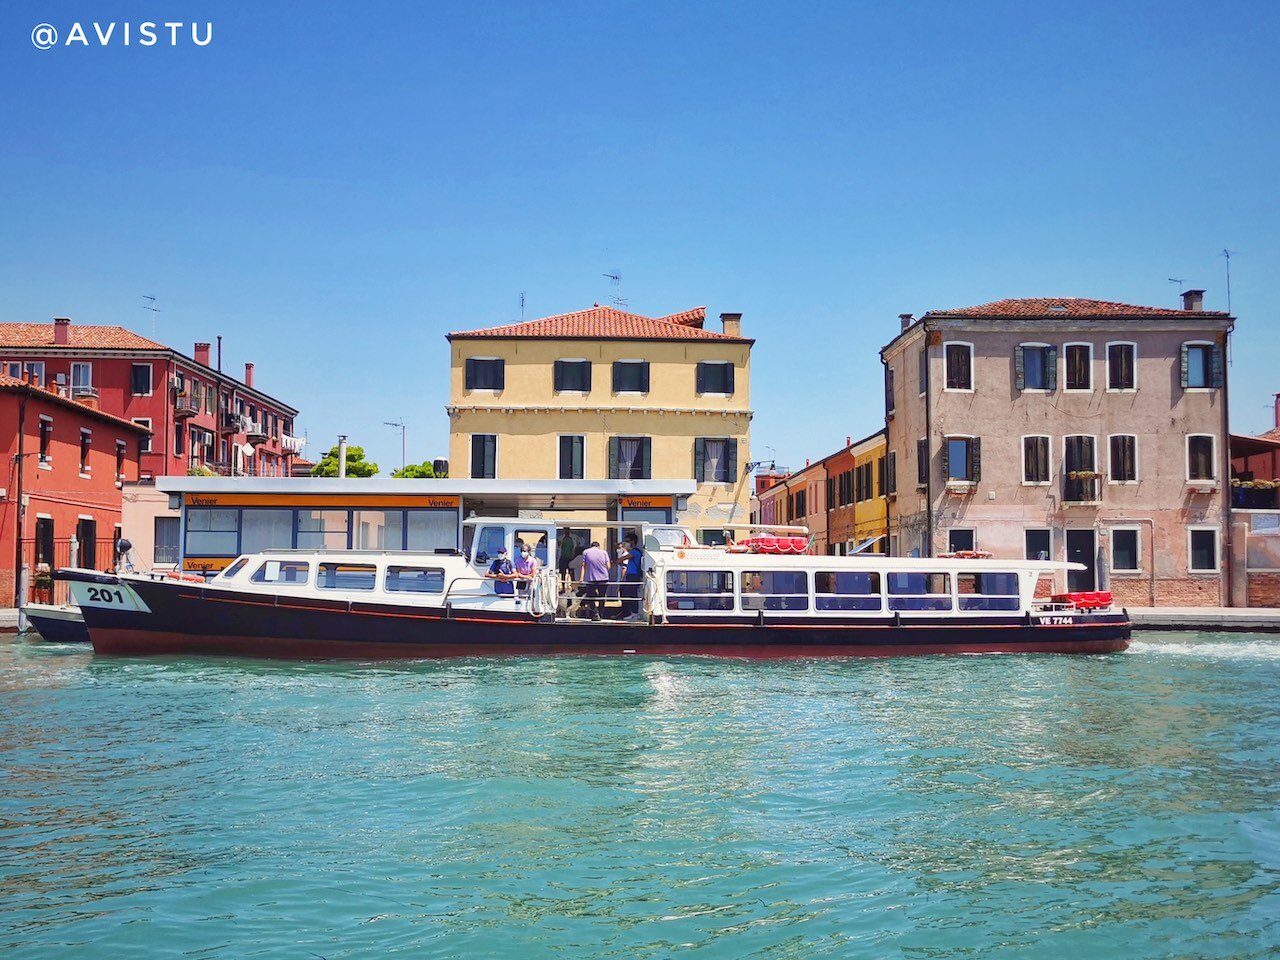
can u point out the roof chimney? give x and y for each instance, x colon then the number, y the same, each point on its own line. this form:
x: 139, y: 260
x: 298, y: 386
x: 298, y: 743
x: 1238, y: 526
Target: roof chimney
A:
x: 1193, y: 300
x: 906, y: 320
x: 732, y: 324
x: 61, y: 330
x: 202, y: 353
x: 248, y: 374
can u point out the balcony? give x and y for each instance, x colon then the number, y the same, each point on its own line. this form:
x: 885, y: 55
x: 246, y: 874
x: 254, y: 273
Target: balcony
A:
x: 233, y: 423
x: 1084, y: 489
x: 1255, y: 498
x: 256, y: 432
x: 185, y: 406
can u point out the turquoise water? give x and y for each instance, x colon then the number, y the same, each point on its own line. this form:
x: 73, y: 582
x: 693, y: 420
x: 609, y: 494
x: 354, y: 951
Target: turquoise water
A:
x: 964, y: 807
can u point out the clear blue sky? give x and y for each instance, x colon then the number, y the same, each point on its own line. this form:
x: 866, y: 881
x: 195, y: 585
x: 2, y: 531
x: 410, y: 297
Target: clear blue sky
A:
x: 333, y: 189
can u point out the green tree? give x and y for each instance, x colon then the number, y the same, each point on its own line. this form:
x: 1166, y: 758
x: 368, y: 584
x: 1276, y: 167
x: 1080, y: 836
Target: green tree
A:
x: 357, y: 466
x: 416, y: 471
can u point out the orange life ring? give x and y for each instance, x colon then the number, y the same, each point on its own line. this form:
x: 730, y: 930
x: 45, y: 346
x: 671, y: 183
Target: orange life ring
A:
x: 188, y: 577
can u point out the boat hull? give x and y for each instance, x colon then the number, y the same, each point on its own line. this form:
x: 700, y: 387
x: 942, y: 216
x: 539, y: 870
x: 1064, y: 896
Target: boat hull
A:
x: 57, y: 624
x: 183, y: 618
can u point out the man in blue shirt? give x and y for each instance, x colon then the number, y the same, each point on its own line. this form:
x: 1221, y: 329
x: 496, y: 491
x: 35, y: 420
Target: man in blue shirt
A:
x: 634, y: 575
x: 503, y: 572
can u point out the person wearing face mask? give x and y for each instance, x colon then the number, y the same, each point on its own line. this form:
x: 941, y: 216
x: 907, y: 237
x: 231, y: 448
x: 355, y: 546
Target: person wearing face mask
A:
x: 526, y: 567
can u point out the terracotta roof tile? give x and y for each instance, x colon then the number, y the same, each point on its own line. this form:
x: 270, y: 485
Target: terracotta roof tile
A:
x: 607, y: 323
x: 18, y: 386
x: 84, y: 337
x: 1048, y: 308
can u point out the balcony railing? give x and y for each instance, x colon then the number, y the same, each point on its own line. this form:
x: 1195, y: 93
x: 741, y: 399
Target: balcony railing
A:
x: 1081, y: 489
x: 185, y: 406
x: 256, y: 432
x: 234, y: 423
x: 1251, y: 498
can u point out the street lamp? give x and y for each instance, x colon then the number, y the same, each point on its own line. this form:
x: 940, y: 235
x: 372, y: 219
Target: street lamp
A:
x: 399, y: 425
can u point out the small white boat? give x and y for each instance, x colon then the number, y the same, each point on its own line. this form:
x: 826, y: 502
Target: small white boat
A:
x: 57, y: 624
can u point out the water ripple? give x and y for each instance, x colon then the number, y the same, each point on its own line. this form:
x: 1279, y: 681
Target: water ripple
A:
x: 925, y: 808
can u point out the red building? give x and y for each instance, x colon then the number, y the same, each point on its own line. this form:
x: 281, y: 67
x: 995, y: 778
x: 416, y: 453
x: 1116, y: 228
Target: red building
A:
x: 65, y: 463
x: 199, y: 417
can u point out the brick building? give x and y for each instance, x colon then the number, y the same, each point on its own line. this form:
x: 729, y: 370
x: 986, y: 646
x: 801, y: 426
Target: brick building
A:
x: 65, y: 461
x: 199, y: 418
x: 1074, y: 429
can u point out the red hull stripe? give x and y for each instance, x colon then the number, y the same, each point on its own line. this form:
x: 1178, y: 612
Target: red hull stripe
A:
x: 106, y: 640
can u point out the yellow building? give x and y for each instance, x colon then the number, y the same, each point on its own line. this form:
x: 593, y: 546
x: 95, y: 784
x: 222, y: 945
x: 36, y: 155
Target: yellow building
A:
x: 604, y: 394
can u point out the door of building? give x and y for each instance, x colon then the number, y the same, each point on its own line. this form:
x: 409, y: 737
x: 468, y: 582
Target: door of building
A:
x: 1082, y: 547
x: 87, y: 534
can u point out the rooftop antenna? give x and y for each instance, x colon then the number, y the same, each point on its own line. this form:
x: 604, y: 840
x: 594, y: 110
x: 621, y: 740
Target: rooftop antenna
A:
x: 1179, y: 282
x: 398, y: 423
x: 1227, y: 254
x: 154, y: 310
x: 615, y: 281
x: 522, y: 306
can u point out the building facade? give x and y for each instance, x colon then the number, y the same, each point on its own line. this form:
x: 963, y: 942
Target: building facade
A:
x: 860, y: 481
x: 199, y: 418
x: 602, y: 394
x: 61, y: 499
x: 798, y: 499
x: 1072, y: 429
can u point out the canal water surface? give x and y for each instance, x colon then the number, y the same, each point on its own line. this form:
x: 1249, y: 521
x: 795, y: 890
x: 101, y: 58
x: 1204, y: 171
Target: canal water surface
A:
x: 966, y: 807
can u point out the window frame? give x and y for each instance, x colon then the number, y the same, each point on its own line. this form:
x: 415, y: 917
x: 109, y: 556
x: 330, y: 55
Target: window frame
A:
x: 922, y: 368
x: 1048, y: 456
x: 613, y: 375
x: 472, y: 459
x: 489, y: 390
x: 1210, y: 347
x: 44, y: 455
x: 1137, y: 552
x: 560, y: 438
x: 1121, y: 343
x: 574, y: 391
x: 1026, y: 530
x: 88, y: 384
x: 1217, y: 550
x: 1213, y: 458
x: 946, y: 374
x: 730, y: 457
x: 86, y: 450
x: 151, y: 379
x: 969, y: 440
x: 144, y: 442
x: 1066, y: 367
x: 731, y: 378
x: 972, y: 530
x: 1031, y: 344
x: 1137, y: 465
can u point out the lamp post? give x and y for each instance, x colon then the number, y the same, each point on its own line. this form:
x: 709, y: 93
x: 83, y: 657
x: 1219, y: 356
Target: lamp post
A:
x: 399, y: 425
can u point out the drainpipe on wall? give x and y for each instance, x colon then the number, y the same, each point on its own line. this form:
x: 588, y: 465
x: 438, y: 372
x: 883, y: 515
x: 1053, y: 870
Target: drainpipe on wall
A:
x: 928, y: 442
x: 19, y: 512
x: 1224, y: 471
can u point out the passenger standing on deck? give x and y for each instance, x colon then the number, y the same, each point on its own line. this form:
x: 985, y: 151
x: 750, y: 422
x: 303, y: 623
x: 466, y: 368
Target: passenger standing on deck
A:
x: 526, y: 567
x: 568, y: 550
x: 633, y: 575
x: 502, y: 571
x: 595, y: 571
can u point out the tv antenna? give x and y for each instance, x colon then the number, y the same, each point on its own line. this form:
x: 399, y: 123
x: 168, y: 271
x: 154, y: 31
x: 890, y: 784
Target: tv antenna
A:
x: 522, y: 306
x: 399, y: 425
x: 1179, y: 282
x: 615, y: 282
x: 154, y: 310
x: 1227, y: 254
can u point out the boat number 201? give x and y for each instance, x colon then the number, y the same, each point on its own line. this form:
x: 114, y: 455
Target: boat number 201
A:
x: 101, y: 595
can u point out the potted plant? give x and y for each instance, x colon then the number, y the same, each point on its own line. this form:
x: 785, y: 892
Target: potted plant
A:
x: 1084, y: 474
x: 43, y: 583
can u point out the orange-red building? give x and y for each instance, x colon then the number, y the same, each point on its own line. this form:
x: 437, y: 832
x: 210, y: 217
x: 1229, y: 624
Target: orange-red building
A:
x: 64, y: 462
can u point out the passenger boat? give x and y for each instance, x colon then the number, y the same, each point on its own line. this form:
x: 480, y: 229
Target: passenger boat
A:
x: 736, y: 600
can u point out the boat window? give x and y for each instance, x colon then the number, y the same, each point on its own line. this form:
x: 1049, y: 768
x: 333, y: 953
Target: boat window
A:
x: 919, y: 591
x: 415, y: 580
x: 282, y: 571
x: 487, y: 543
x: 988, y: 591
x: 536, y: 540
x: 235, y: 568
x: 699, y: 590
x: 775, y: 590
x: 347, y: 576
x: 847, y: 590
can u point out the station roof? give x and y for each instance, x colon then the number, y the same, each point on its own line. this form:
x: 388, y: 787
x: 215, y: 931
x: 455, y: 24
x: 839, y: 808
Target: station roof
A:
x: 479, y: 495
